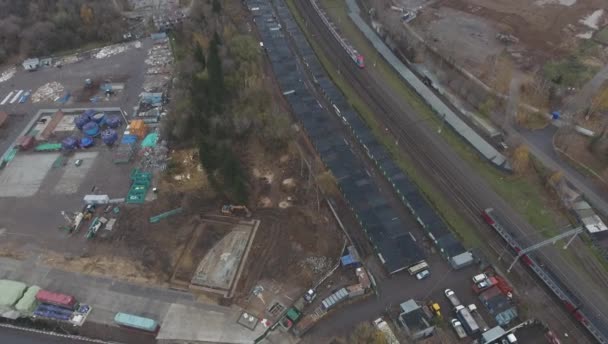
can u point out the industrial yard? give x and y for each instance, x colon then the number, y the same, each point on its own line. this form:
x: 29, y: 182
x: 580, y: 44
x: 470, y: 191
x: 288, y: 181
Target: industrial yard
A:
x: 151, y: 187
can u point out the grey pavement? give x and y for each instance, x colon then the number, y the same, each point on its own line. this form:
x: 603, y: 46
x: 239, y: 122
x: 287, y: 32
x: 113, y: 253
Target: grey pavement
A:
x: 395, y: 290
x: 13, y: 336
x: 108, y: 297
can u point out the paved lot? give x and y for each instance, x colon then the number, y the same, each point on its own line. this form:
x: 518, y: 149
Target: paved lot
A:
x: 398, y: 289
x: 32, y: 192
x: 73, y: 175
x: 24, y: 175
x: 128, y: 68
x: 108, y: 297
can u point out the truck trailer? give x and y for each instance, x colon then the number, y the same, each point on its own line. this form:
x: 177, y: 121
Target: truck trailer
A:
x: 467, y: 320
x: 449, y: 293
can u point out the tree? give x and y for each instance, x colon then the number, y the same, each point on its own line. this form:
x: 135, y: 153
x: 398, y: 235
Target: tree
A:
x: 555, y: 178
x: 86, y: 14
x: 365, y: 333
x: 216, y: 6
x: 521, y: 159
x: 216, y: 89
x: 199, y: 55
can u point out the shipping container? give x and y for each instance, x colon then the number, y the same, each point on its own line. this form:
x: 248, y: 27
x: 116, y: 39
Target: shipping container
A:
x: 467, y: 320
x: 334, y: 298
x: 10, y: 293
x: 27, y: 303
x: 417, y: 268
x: 57, y: 299
x: 136, y: 322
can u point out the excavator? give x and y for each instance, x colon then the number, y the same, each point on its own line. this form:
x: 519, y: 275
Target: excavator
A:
x: 235, y: 210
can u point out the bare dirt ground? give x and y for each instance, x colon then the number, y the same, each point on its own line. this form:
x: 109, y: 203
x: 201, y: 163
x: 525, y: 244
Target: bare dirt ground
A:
x: 545, y: 29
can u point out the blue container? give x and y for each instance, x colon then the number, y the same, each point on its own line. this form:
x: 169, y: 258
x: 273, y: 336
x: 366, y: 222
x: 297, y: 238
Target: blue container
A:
x: 91, y: 129
x: 69, y: 143
x: 109, y: 136
x: 80, y: 121
x: 129, y: 139
x: 86, y: 142
x: 113, y: 121
x: 88, y: 113
x: 99, y: 118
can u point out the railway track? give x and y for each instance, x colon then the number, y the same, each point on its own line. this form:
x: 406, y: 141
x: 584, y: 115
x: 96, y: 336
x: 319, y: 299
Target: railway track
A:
x: 454, y: 181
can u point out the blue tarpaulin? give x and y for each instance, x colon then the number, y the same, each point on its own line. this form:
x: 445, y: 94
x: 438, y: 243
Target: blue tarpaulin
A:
x: 348, y: 260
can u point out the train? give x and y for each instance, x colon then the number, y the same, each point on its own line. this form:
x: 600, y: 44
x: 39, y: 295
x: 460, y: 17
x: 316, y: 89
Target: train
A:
x: 357, y: 58
x: 569, y: 301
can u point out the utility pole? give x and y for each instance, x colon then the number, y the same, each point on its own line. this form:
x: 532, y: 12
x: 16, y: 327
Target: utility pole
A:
x: 573, y: 232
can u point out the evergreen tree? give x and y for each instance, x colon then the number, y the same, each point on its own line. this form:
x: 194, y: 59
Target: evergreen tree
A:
x: 216, y: 6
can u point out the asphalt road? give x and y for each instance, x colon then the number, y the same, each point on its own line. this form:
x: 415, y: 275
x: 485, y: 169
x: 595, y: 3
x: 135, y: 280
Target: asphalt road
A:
x: 464, y: 186
x: 11, y: 336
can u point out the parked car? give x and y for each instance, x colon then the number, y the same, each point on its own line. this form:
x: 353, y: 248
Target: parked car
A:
x: 479, y: 278
x: 423, y: 274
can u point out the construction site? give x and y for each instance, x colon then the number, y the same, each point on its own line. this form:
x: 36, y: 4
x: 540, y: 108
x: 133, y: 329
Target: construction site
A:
x: 82, y: 150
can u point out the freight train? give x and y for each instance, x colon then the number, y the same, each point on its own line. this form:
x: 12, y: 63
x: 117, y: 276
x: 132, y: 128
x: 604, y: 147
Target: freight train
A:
x: 570, y: 302
x: 352, y: 52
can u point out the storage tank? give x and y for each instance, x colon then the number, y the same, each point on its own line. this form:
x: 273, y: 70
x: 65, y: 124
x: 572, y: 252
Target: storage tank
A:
x: 113, y: 121
x: 69, y: 143
x: 109, y: 136
x: 91, y: 129
x: 99, y: 118
x: 86, y: 142
x: 81, y: 120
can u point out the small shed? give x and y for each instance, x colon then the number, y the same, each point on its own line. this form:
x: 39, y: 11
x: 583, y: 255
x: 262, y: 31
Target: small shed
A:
x: 31, y: 64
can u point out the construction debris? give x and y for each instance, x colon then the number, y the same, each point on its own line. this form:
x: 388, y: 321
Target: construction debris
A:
x: 7, y: 74
x: 48, y: 92
x: 317, y: 265
x: 112, y: 50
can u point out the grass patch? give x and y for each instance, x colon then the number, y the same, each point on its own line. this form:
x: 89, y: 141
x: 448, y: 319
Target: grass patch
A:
x: 525, y: 194
x: 450, y: 215
x: 570, y: 71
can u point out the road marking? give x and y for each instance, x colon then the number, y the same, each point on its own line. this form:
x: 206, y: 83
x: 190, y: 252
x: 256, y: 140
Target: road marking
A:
x: 7, y: 97
x: 16, y: 96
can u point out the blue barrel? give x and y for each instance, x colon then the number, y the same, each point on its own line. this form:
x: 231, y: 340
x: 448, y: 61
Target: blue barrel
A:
x: 88, y: 113
x: 109, y: 136
x: 86, y: 142
x: 69, y: 143
x: 80, y: 121
x: 113, y: 121
x: 91, y: 129
x: 99, y: 118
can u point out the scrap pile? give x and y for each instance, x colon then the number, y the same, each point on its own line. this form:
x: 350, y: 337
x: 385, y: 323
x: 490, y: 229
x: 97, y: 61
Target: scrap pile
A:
x: 112, y: 50
x: 7, y: 74
x: 48, y: 92
x: 159, y: 60
x: 154, y: 153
